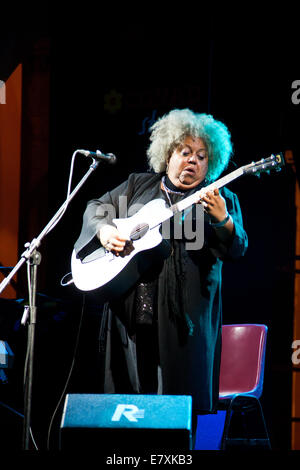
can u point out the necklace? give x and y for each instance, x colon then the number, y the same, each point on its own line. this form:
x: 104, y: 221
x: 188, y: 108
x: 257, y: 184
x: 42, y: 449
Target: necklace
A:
x: 168, y: 190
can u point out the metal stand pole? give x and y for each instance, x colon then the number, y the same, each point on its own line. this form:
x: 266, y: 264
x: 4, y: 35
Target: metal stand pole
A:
x: 33, y: 263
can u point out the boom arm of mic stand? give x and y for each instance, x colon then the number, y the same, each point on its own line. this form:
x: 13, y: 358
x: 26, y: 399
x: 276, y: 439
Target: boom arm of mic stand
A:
x: 37, y: 241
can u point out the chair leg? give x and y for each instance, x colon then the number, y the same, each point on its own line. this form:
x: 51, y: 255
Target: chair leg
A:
x: 266, y: 439
x: 229, y: 442
x: 226, y: 425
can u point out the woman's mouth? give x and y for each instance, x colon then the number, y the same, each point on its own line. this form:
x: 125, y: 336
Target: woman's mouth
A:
x: 189, y: 169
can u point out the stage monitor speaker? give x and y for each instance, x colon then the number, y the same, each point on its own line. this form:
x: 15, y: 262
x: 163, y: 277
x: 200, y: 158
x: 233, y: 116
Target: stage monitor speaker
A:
x: 139, y: 422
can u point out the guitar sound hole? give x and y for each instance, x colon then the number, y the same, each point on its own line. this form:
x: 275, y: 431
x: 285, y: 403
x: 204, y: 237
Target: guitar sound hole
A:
x: 139, y: 231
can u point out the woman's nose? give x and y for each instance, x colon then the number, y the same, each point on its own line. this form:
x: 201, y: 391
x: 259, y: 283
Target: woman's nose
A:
x: 192, y: 158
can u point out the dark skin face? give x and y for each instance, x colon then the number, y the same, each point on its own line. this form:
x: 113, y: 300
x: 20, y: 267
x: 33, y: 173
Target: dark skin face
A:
x: 188, y: 164
x: 187, y: 167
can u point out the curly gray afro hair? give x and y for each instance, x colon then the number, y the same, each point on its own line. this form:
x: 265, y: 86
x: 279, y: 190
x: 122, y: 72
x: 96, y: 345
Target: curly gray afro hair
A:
x: 169, y: 131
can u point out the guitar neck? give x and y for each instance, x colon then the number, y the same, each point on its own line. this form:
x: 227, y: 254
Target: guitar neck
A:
x: 188, y: 201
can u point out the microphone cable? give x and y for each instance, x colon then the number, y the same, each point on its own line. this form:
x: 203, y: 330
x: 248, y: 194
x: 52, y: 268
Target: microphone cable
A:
x: 69, y: 375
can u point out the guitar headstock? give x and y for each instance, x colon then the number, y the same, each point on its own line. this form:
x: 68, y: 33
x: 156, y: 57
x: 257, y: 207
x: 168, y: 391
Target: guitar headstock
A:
x: 265, y: 165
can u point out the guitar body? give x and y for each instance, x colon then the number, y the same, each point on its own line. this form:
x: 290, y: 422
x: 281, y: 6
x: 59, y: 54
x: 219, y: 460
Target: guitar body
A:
x: 114, y: 275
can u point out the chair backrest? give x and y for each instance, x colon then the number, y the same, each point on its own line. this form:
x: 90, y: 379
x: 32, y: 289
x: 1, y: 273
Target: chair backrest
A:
x: 242, y: 359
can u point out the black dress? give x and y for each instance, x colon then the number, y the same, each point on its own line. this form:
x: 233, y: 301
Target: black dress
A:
x: 164, y: 334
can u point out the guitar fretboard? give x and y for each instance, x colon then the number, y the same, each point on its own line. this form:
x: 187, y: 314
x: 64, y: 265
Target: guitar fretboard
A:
x: 193, y: 198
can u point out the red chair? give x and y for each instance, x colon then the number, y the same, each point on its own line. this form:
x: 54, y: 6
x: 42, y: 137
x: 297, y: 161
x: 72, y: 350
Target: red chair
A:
x: 241, y: 385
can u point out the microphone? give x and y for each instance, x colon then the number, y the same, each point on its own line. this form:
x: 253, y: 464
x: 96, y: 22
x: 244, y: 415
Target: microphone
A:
x: 98, y: 155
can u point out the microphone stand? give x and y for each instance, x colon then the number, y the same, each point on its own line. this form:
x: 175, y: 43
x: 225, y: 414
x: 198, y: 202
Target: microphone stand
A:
x: 33, y: 259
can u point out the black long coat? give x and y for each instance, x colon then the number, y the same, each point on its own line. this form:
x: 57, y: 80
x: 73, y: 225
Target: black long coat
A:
x: 177, y: 354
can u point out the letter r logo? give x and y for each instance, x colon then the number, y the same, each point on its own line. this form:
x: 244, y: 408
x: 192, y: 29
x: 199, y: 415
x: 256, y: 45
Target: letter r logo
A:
x: 131, y: 412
